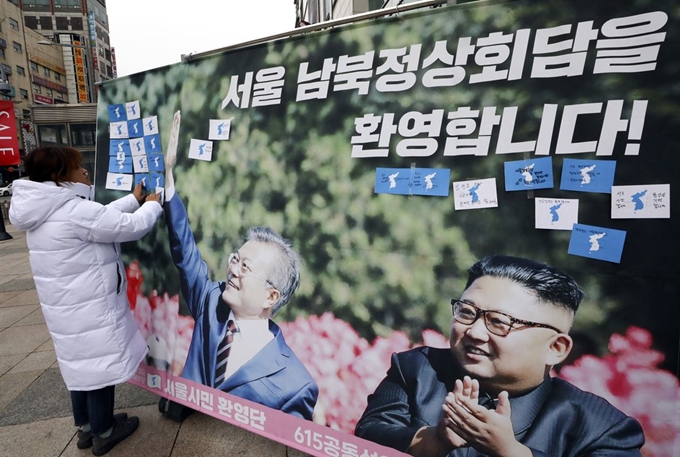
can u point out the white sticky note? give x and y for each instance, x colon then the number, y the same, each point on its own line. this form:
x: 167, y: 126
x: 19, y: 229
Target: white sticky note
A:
x: 150, y: 125
x: 200, y: 150
x: 137, y: 146
x: 651, y: 201
x: 140, y: 163
x: 219, y: 129
x: 132, y: 109
x: 556, y: 213
x: 118, y: 129
x: 119, y: 181
x: 475, y: 194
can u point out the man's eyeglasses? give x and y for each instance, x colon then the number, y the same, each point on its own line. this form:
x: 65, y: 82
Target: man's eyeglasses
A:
x: 243, y: 268
x: 496, y: 322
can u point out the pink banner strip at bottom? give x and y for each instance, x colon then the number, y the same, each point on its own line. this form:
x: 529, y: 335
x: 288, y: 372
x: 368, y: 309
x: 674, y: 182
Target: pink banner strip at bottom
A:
x: 284, y: 428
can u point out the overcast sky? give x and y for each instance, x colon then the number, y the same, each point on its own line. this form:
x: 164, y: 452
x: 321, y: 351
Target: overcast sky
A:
x: 152, y: 33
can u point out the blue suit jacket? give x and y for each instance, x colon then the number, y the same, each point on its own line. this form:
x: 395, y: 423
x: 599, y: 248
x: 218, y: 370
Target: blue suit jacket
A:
x: 555, y: 419
x: 274, y: 377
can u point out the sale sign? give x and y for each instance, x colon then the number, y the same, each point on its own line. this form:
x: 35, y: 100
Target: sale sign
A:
x: 9, y: 146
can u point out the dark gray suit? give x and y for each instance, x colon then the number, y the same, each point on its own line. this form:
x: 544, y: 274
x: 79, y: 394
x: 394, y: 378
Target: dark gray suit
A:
x: 554, y: 420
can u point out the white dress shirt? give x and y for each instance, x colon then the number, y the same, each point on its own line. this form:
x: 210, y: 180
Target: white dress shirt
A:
x: 253, y: 335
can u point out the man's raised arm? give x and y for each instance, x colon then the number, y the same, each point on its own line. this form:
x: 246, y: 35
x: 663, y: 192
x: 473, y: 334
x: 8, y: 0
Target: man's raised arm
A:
x: 193, y: 271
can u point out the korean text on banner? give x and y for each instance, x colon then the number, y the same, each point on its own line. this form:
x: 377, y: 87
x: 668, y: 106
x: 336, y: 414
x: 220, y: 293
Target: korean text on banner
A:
x: 80, y: 72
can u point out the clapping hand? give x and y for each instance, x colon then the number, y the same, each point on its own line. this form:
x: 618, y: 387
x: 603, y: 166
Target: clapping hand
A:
x: 487, y: 430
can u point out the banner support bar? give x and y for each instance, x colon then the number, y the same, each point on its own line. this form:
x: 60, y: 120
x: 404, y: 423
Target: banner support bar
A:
x: 320, y: 26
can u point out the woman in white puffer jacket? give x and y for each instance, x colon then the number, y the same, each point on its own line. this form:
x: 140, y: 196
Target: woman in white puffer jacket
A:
x: 81, y: 284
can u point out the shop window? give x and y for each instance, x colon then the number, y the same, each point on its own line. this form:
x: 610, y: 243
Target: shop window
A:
x: 83, y: 135
x: 46, y: 22
x: 52, y: 134
x: 77, y: 23
x: 62, y: 23
x: 31, y: 22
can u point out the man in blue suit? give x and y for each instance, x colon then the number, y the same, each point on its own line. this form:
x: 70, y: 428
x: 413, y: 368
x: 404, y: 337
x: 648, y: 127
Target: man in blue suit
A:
x: 235, y: 346
x: 491, y: 394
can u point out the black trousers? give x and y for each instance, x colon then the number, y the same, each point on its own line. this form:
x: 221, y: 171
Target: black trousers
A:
x: 94, y: 407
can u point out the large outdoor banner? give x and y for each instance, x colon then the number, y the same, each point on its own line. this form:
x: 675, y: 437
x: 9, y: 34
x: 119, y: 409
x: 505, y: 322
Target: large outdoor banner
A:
x: 393, y: 154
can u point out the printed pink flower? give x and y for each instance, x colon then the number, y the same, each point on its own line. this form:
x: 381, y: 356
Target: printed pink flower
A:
x: 167, y: 333
x: 629, y: 378
x: 346, y: 367
x: 435, y: 339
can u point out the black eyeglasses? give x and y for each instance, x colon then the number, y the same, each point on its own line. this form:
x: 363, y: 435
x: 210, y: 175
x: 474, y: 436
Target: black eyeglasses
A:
x: 496, y: 322
x: 243, y: 269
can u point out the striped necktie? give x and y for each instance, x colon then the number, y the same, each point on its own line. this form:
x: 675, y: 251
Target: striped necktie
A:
x: 223, y: 351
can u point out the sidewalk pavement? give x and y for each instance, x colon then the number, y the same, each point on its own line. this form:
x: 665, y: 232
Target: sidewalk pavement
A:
x: 35, y: 407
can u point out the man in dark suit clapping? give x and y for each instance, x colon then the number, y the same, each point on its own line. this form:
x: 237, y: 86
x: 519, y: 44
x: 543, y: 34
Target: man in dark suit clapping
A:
x: 491, y: 393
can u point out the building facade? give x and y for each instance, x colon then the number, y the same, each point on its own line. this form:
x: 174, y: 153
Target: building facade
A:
x: 48, y: 74
x: 81, y: 29
x: 35, y: 73
x: 72, y: 125
x: 54, y: 52
x: 315, y: 11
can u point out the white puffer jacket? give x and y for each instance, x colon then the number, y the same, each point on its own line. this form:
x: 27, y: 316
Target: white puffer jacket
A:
x: 81, y: 283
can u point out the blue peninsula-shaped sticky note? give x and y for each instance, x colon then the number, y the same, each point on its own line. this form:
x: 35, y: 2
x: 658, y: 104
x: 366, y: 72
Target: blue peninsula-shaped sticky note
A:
x: 430, y: 181
x: 120, y: 164
x: 135, y: 128
x: 156, y: 162
x: 157, y: 181
x: 393, y: 181
x: 118, y: 146
x: 529, y: 174
x: 588, y: 175
x: 152, y: 143
x: 117, y: 113
x: 142, y: 177
x: 597, y: 242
